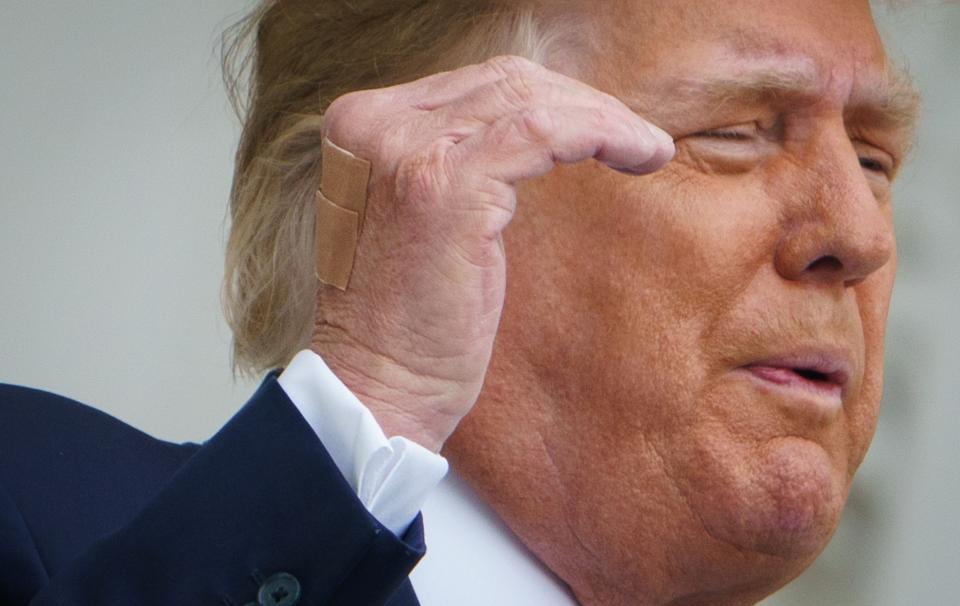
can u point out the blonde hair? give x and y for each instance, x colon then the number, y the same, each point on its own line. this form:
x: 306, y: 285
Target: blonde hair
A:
x: 284, y: 63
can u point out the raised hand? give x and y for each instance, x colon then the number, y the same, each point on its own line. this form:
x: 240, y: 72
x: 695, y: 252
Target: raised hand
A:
x: 413, y: 333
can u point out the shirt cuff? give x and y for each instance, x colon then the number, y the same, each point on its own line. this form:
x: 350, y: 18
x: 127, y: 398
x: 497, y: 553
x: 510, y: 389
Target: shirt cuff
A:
x: 392, y: 477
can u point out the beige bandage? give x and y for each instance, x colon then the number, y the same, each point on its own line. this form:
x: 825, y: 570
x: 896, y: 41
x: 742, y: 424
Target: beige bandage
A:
x: 341, y: 204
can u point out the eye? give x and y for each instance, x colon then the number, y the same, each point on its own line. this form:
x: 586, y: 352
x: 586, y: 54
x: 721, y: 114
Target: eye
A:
x: 728, y: 149
x: 875, y: 162
x: 738, y: 134
x: 873, y: 165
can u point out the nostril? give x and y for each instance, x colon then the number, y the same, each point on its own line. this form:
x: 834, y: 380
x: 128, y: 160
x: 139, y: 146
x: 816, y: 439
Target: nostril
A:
x: 828, y: 264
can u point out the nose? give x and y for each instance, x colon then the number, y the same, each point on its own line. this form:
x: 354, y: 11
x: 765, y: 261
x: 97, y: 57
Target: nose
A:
x: 836, y: 231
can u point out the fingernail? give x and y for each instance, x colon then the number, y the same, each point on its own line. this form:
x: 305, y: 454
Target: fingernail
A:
x: 662, y: 136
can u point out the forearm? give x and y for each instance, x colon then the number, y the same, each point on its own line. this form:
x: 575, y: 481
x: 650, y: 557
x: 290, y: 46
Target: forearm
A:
x: 261, y: 497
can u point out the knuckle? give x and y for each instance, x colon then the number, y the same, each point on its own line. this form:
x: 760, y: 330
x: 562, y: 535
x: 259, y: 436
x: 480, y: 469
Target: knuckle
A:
x: 596, y: 118
x: 348, y: 114
x: 504, y: 65
x: 518, y: 89
x: 420, y: 177
x: 536, y: 123
x: 342, y: 109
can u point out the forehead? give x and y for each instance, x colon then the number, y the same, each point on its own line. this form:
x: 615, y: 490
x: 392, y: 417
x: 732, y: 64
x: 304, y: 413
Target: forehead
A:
x: 814, y: 24
x: 682, y: 62
x: 833, y: 43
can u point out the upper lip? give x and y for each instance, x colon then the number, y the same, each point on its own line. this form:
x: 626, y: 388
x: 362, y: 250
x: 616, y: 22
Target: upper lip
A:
x: 830, y: 366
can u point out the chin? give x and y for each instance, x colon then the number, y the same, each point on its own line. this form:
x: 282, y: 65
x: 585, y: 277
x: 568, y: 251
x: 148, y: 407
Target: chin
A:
x: 785, y: 502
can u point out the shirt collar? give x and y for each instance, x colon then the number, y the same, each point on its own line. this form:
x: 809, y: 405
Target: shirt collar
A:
x: 473, y: 559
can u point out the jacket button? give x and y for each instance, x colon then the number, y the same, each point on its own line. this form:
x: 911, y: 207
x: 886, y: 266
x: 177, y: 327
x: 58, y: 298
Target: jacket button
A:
x: 282, y: 589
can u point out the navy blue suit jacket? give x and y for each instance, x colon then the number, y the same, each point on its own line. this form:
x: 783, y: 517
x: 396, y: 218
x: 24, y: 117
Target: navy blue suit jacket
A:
x: 95, y: 512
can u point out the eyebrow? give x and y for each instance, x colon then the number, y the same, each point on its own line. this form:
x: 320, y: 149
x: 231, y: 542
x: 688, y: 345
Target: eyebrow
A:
x: 892, y: 102
x: 896, y: 99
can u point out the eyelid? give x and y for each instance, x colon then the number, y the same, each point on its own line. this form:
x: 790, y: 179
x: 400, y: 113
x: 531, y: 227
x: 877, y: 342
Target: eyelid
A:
x: 867, y: 151
x: 884, y: 169
x: 738, y: 132
x: 726, y: 135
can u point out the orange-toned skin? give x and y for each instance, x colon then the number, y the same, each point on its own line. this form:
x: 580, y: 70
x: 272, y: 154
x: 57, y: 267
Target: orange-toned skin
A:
x: 614, y: 432
x: 614, y: 439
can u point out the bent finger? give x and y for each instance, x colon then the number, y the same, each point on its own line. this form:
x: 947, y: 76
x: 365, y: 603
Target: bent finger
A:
x: 492, y: 101
x: 529, y: 143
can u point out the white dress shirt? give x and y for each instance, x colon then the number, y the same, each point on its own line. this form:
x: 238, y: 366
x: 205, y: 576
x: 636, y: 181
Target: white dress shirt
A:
x: 392, y: 477
x: 472, y: 558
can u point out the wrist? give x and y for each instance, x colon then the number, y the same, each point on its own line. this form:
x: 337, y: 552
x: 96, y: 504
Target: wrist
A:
x: 425, y: 410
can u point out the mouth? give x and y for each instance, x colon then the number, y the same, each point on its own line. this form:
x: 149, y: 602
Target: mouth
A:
x: 820, y: 376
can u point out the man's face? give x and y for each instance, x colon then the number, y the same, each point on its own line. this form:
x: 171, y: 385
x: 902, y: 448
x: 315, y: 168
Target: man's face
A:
x: 688, y: 370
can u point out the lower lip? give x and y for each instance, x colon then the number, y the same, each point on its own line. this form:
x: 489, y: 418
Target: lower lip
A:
x: 825, y: 395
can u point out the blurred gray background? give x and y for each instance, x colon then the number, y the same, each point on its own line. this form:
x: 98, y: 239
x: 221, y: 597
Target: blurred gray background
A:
x: 116, y: 146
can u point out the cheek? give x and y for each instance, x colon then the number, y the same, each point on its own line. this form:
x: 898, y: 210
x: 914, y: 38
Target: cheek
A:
x: 613, y: 283
x: 873, y: 299
x: 622, y: 295
x: 619, y: 277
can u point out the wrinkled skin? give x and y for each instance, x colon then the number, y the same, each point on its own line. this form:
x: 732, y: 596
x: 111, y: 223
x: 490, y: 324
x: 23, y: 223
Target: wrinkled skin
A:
x: 619, y: 431
x: 614, y: 433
